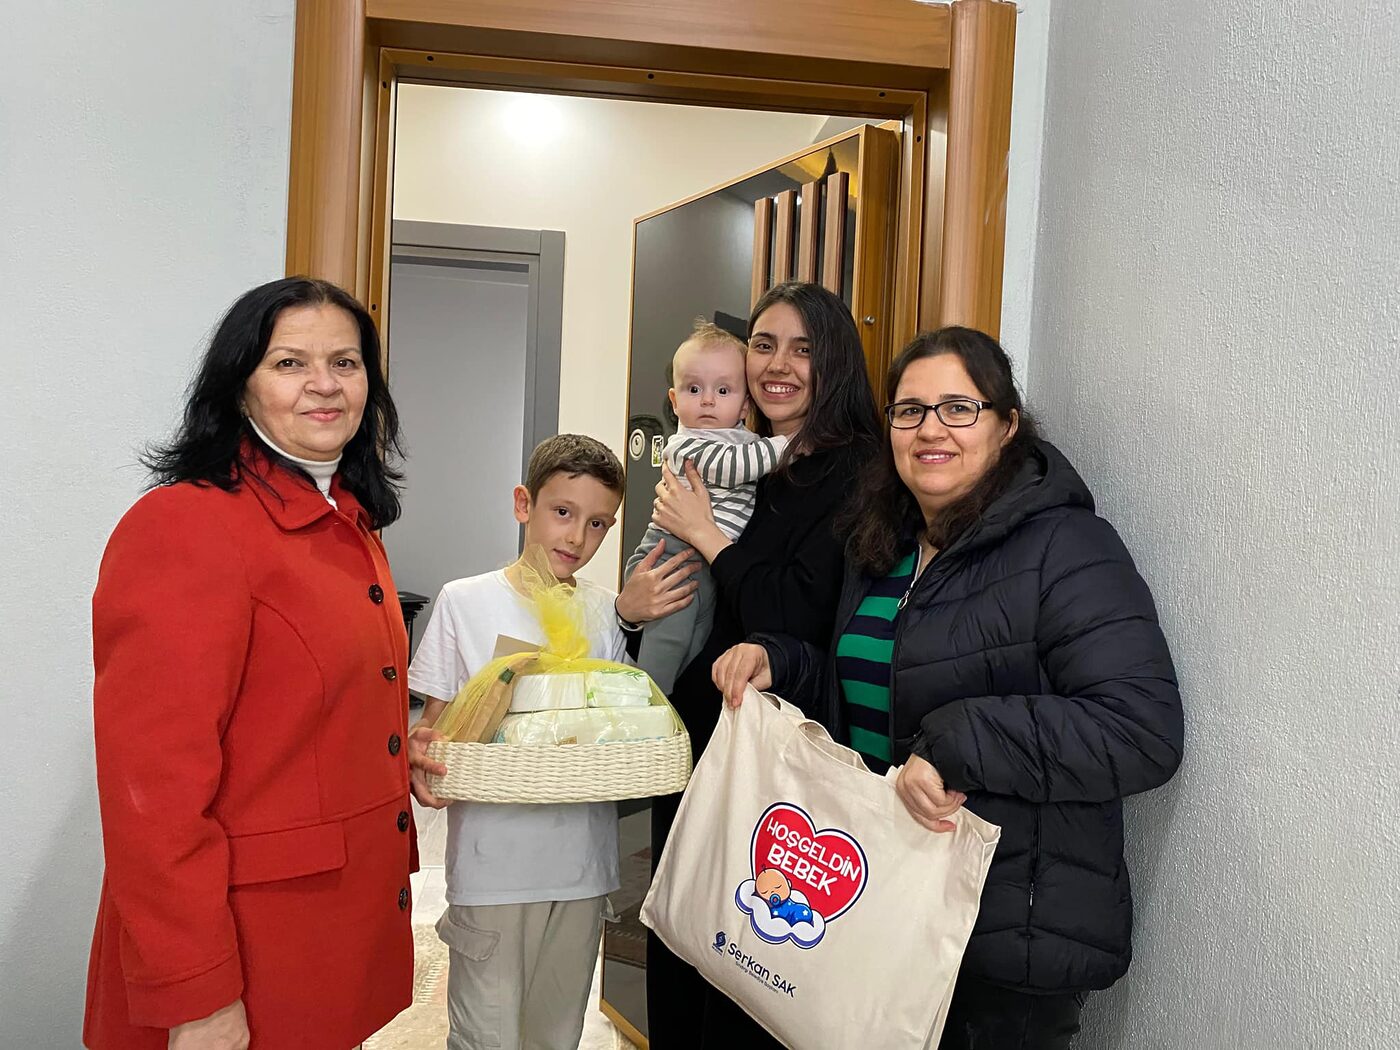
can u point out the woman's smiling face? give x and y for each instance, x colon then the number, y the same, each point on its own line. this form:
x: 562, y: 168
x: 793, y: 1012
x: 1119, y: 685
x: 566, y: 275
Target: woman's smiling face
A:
x: 940, y: 464
x: 779, y: 368
x: 309, y: 391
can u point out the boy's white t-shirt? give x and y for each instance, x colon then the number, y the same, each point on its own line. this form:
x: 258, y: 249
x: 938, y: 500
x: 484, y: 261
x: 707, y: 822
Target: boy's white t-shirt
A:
x: 515, y: 854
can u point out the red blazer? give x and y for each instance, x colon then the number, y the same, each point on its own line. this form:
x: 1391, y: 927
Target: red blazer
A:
x: 250, y: 710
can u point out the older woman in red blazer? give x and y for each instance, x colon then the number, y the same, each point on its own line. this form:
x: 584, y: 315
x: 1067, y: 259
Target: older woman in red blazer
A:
x: 250, y: 704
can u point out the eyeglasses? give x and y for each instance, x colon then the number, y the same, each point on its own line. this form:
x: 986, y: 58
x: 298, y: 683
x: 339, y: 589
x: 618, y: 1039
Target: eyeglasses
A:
x: 955, y: 412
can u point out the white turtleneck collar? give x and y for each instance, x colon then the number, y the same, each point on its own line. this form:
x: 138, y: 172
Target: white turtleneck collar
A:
x: 321, y: 471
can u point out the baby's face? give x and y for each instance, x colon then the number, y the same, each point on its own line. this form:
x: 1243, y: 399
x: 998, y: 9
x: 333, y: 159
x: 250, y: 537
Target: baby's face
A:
x: 709, y: 393
x: 770, y: 882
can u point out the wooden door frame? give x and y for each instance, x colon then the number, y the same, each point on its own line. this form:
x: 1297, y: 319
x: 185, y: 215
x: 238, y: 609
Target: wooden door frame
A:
x: 944, y: 70
x: 399, y: 65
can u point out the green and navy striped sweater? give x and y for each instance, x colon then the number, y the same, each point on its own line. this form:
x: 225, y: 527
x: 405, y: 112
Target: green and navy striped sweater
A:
x: 863, y: 656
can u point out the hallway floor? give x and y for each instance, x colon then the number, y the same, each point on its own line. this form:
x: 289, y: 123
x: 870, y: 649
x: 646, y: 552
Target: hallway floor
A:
x: 423, y: 1026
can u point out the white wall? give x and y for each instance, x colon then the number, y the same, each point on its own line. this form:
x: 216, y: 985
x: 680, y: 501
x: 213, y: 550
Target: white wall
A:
x: 1216, y: 332
x: 587, y: 167
x: 143, y: 182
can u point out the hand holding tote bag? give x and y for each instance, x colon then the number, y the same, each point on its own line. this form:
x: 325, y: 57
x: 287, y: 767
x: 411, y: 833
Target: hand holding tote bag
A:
x: 796, y: 882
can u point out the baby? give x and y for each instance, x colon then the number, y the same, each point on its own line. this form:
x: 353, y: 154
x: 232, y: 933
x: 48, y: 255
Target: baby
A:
x: 775, y: 890
x: 711, y: 399
x: 772, y: 885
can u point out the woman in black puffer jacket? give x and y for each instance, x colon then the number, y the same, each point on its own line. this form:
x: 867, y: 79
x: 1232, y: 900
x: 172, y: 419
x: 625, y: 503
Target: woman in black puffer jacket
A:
x: 995, y: 638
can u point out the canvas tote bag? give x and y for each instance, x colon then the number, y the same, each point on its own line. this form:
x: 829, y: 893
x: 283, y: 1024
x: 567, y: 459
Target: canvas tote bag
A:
x: 796, y: 882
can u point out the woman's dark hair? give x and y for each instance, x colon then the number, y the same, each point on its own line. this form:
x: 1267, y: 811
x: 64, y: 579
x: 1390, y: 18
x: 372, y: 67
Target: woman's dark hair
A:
x: 885, y: 517
x: 205, y: 449
x: 843, y: 409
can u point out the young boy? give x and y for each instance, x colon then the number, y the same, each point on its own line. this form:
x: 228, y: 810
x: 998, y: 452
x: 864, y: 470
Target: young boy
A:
x: 710, y: 398
x: 526, y: 884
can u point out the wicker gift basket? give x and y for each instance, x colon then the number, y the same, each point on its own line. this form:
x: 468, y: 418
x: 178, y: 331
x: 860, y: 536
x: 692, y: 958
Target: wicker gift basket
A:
x: 563, y: 773
x: 558, y: 750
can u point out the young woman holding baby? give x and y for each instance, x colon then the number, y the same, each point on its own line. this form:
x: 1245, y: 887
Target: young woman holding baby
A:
x: 806, y: 377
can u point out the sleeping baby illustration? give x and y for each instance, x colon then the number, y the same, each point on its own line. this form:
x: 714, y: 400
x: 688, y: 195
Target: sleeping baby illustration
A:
x: 773, y: 888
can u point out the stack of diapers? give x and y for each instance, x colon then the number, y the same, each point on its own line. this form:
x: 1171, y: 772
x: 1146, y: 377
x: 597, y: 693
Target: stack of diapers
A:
x: 599, y: 706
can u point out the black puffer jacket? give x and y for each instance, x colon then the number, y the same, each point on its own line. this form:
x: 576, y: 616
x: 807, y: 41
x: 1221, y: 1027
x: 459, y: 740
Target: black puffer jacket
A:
x: 1029, y: 668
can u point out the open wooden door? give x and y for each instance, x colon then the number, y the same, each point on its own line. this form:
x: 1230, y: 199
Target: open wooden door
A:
x: 838, y: 230
x: 826, y: 214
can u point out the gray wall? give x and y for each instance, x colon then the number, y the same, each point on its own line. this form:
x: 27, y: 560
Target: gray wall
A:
x: 143, y: 185
x: 1215, y: 345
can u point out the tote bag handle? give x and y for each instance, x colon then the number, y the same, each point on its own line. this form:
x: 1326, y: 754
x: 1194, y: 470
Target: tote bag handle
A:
x: 814, y: 732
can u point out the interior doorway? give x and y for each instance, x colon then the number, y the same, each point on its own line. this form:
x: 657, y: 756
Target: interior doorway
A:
x: 656, y: 213
x: 603, y: 171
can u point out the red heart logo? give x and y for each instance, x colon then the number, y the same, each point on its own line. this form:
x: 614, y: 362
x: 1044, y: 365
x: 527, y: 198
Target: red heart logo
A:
x: 827, y: 866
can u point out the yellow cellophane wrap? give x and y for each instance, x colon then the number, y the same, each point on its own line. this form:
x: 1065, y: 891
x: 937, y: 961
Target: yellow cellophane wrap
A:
x: 562, y: 619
